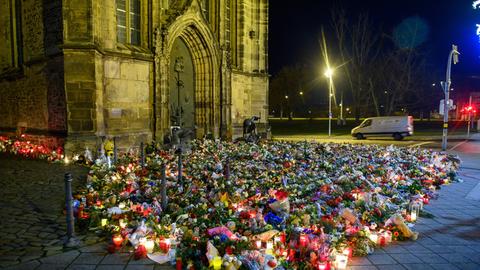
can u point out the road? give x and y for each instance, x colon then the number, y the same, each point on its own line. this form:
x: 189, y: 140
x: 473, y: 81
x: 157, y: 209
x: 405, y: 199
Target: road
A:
x: 457, y: 142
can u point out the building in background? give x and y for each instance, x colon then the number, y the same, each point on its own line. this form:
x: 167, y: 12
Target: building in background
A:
x: 85, y: 69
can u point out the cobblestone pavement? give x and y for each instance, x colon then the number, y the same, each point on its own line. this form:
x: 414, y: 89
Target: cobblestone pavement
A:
x: 450, y: 240
x: 31, y: 202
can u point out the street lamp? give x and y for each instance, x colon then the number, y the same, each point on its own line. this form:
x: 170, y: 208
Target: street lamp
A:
x: 446, y: 89
x: 329, y: 74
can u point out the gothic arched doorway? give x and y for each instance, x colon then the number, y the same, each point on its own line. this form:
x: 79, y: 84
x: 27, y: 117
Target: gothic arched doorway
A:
x: 189, y: 40
x: 182, y: 78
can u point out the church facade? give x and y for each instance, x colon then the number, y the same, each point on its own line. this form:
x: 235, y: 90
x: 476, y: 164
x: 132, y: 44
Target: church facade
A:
x: 86, y: 69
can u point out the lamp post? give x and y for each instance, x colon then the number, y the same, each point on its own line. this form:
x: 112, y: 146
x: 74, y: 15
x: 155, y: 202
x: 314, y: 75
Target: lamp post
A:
x: 329, y: 75
x: 446, y: 89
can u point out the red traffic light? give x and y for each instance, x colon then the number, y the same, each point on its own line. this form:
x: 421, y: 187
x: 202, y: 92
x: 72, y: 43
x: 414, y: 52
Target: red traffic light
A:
x: 469, y: 109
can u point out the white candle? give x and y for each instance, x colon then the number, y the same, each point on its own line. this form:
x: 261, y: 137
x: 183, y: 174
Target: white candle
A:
x: 149, y: 245
x: 374, y: 237
x: 341, y: 261
x: 122, y: 223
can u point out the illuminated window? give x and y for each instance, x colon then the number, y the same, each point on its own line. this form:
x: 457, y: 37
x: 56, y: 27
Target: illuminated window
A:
x: 128, y: 21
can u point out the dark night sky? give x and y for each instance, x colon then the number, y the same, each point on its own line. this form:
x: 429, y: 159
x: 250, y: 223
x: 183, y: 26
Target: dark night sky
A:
x: 295, y: 28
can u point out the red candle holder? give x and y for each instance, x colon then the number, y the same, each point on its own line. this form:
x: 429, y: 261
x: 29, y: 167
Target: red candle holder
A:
x: 117, y: 240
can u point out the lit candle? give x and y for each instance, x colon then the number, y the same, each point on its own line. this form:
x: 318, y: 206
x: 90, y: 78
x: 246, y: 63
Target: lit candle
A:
x: 149, y: 245
x: 303, y: 240
x: 103, y: 222
x: 347, y: 251
x: 164, y: 245
x: 217, y: 263
x: 341, y: 261
x: 117, y: 240
x: 122, y: 223
x: 388, y: 236
x: 373, y: 237
x: 414, y: 211
x: 323, y: 266
x: 269, y: 248
x: 276, y: 239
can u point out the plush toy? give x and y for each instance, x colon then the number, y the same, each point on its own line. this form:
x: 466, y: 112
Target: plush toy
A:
x: 265, y: 236
x: 406, y: 231
x: 349, y: 216
x: 108, y: 146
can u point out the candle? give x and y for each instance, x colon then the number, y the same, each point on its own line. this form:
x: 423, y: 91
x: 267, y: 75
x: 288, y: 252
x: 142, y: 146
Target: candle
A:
x: 323, y: 266
x: 122, y: 223
x: 179, y: 265
x: 373, y: 237
x: 269, y: 248
x: 414, y: 211
x: 347, y: 251
x: 164, y: 245
x: 283, y: 237
x: 117, y: 240
x: 388, y: 236
x: 103, y: 222
x: 217, y: 263
x: 149, y: 245
x: 303, y: 240
x: 341, y: 261
x: 276, y: 239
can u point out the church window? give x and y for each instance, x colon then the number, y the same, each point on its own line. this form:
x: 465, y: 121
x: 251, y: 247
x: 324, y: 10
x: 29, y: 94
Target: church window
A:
x: 128, y: 21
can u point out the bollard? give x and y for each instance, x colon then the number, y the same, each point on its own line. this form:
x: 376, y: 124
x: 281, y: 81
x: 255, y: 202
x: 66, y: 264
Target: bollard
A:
x: 114, y: 150
x: 142, y: 154
x: 164, y: 188
x: 180, y: 166
x: 71, y: 240
x: 227, y: 170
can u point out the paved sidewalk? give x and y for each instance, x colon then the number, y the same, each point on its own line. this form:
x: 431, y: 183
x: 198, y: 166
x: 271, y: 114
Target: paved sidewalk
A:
x: 451, y: 240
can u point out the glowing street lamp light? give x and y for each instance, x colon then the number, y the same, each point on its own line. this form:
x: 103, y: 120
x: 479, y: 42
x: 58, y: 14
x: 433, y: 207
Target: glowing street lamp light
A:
x: 329, y: 74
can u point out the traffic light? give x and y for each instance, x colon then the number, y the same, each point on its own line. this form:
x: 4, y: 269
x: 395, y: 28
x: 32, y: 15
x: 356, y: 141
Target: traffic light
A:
x: 469, y: 109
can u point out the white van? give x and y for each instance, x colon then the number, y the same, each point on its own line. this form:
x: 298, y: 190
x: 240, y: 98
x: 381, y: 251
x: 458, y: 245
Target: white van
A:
x: 395, y: 126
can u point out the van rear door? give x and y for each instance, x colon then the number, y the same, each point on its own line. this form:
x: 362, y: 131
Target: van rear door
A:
x: 410, y: 125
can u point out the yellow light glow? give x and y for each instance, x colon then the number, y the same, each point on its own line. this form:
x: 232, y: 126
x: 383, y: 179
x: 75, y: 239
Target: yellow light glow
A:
x: 329, y: 73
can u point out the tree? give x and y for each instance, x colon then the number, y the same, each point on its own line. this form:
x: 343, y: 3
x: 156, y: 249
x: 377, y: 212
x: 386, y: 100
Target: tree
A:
x: 359, y: 46
x: 291, y: 82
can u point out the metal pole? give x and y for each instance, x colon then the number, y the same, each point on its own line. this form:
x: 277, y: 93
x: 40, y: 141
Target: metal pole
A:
x: 469, y: 116
x: 164, y: 188
x: 446, y: 89
x: 71, y: 240
x: 330, y: 109
x: 142, y: 154
x: 227, y: 169
x: 180, y: 165
x: 114, y: 150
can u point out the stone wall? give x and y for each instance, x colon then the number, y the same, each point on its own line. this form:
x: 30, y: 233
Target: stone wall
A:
x: 32, y: 95
x: 127, y: 99
x: 249, y: 98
